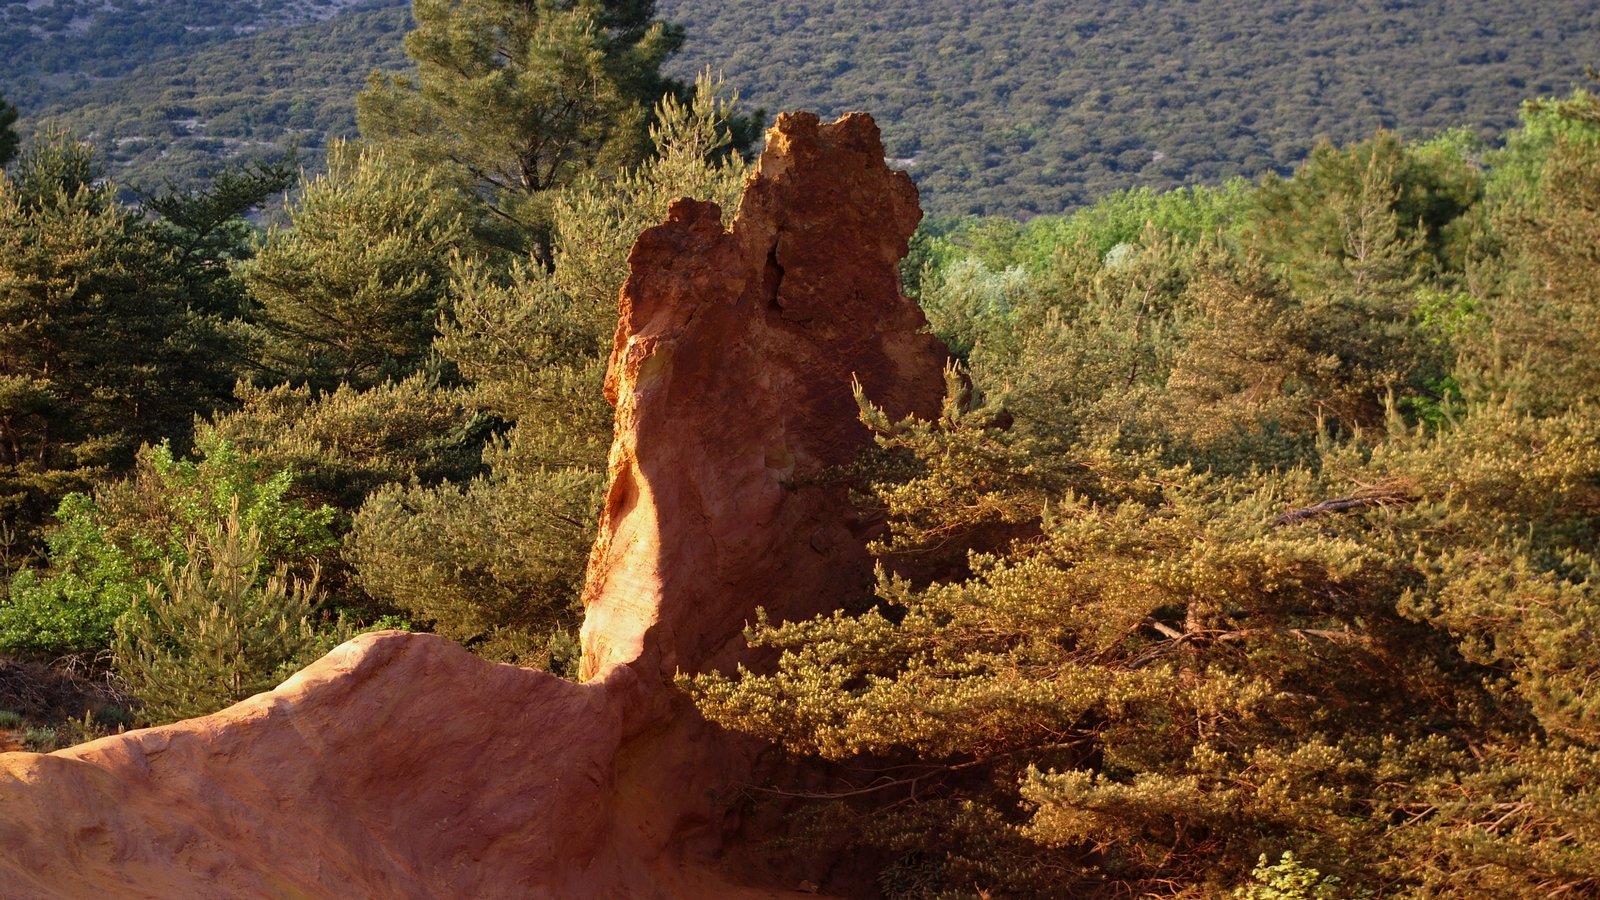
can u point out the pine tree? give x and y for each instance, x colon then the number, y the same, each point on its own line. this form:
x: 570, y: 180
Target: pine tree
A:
x: 8, y: 135
x: 218, y: 628
x: 1546, y: 316
x: 346, y: 443
x: 1357, y: 235
x: 518, y: 98
x: 99, y: 347
x: 1377, y: 212
x: 350, y: 294
x: 208, y: 235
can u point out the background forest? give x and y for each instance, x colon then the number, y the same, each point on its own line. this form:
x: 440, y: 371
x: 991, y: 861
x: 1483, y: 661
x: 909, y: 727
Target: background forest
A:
x: 1253, y: 555
x: 1011, y: 107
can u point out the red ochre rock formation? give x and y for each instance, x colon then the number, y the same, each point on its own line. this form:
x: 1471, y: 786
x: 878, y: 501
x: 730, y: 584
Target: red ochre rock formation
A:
x: 401, y: 766
x: 731, y: 375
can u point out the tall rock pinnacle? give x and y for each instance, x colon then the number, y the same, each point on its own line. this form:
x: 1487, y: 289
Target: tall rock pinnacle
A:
x: 731, y: 375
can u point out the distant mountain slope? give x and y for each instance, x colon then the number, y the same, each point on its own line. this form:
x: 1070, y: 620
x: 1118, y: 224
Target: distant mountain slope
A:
x: 1021, y: 106
x: 1001, y: 106
x: 51, y: 46
x: 183, y: 119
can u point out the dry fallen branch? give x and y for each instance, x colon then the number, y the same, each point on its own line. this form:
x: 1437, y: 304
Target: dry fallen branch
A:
x: 1365, y: 499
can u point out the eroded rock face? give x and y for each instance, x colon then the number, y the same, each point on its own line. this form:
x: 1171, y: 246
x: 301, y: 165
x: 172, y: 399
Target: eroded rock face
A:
x: 397, y: 766
x: 731, y: 375
x: 401, y: 766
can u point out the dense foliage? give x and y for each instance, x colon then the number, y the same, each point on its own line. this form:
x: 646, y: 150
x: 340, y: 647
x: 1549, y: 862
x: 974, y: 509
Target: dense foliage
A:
x: 417, y: 437
x: 378, y: 362
x: 218, y: 628
x: 516, y: 99
x: 50, y: 47
x: 8, y: 134
x: 351, y: 291
x: 110, y: 334
x: 1033, y: 106
x: 112, y: 546
x: 1267, y: 542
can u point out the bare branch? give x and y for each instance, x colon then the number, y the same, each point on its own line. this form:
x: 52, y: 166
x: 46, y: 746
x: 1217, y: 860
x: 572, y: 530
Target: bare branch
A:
x: 1382, y: 496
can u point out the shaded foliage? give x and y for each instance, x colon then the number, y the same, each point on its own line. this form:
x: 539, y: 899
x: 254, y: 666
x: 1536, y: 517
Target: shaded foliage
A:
x: 101, y: 348
x: 8, y: 134
x: 1182, y: 583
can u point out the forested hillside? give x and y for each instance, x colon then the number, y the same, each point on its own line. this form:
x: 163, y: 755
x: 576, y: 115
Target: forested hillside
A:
x: 1029, y: 106
x: 53, y: 48
x: 252, y: 98
x: 1010, y: 107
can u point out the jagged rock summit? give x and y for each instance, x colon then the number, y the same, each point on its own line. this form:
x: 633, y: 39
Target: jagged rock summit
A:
x: 402, y: 766
x: 731, y: 374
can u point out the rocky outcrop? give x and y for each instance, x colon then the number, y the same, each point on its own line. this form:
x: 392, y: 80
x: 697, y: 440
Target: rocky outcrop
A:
x: 397, y: 766
x: 401, y: 766
x: 731, y: 374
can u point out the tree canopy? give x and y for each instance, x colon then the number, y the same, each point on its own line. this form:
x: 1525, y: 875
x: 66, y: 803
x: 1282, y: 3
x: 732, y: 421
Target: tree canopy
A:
x: 101, y: 348
x: 351, y: 291
x: 516, y: 99
x: 8, y: 133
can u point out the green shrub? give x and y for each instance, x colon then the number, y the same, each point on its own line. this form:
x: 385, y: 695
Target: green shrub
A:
x: 219, y: 627
x: 110, y: 547
x: 41, y: 740
x: 1288, y: 879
